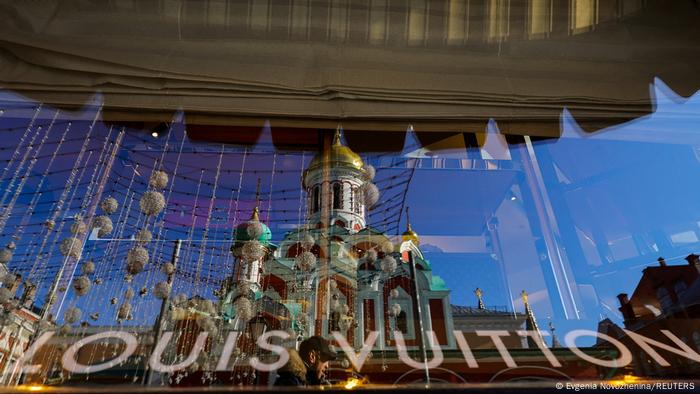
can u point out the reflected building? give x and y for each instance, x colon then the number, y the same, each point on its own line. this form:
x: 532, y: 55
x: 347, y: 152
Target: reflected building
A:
x: 667, y: 297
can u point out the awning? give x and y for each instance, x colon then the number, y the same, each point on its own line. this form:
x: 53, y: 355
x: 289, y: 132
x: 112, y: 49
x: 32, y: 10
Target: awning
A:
x: 443, y: 65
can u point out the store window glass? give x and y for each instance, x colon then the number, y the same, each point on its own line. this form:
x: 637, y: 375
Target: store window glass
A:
x: 260, y: 195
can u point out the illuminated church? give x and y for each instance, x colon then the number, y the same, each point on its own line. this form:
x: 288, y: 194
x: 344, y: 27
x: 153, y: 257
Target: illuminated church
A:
x: 338, y: 274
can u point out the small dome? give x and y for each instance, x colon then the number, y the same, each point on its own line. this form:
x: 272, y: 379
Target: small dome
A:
x: 410, y: 235
x: 242, y: 234
x: 340, y: 155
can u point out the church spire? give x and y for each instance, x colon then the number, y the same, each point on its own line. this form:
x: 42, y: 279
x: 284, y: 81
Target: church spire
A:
x: 409, y: 234
x: 555, y: 340
x: 530, y: 322
x: 479, y: 293
x: 336, y: 137
x: 256, y: 210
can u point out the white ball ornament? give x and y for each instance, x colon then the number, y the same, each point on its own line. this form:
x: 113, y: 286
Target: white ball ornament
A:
x: 82, y: 285
x: 152, y: 203
x: 143, y: 236
x: 370, y: 193
x: 159, y: 180
x: 370, y: 171
x: 244, y: 309
x: 243, y: 288
x: 78, y: 227
x: 124, y: 311
x: 162, y: 290
x: 388, y: 264
x: 109, y: 205
x: 129, y: 293
x: 5, y: 255
x: 71, y: 247
x: 388, y: 247
x: 180, y: 299
x: 395, y: 310
x: 394, y: 293
x: 333, y: 284
x: 88, y: 267
x: 253, y: 251
x: 168, y: 268
x: 104, y: 225
x: 72, y: 315
x: 307, y: 241
x: 305, y: 261
x: 136, y: 260
x: 5, y: 295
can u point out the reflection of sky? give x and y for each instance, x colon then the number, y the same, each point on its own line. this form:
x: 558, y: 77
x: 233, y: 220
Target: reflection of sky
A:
x: 622, y: 197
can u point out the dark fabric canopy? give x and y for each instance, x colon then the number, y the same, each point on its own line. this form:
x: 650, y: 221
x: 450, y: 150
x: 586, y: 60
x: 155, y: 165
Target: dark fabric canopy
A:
x: 443, y: 65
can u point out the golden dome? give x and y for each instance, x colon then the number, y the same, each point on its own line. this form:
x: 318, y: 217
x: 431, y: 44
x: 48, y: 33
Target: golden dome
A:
x: 340, y: 155
x: 410, y: 235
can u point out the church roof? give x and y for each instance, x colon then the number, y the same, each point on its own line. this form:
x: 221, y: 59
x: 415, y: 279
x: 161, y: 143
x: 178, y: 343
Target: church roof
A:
x: 459, y: 310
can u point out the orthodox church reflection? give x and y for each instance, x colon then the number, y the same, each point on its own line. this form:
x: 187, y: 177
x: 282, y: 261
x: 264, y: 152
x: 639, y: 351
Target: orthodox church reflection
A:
x: 336, y: 273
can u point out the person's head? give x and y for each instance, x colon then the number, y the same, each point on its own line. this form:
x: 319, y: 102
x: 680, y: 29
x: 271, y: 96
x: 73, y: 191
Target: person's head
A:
x: 316, y: 353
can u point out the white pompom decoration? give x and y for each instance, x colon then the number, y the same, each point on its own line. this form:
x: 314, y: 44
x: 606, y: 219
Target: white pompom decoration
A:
x: 168, y: 268
x: 394, y: 293
x: 253, y: 251
x: 104, y: 224
x: 159, y: 180
x: 88, y: 267
x: 254, y: 229
x: 5, y: 295
x: 307, y: 241
x: 305, y: 261
x: 333, y: 284
x: 124, y: 311
x: 152, y: 203
x: 388, y: 247
x: 109, y: 205
x: 82, y: 285
x: 370, y: 193
x: 388, y: 264
x: 370, y: 171
x: 136, y: 260
x: 180, y: 299
x: 71, y: 247
x: 243, y: 288
x: 162, y: 290
x: 395, y: 310
x: 244, y: 308
x: 143, y: 236
x: 72, y: 315
x: 207, y: 306
x: 5, y: 255
x: 129, y: 293
x: 78, y: 227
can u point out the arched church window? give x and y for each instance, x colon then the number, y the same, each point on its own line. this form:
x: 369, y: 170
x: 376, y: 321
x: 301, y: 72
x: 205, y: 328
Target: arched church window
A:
x: 316, y: 199
x: 337, y: 196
